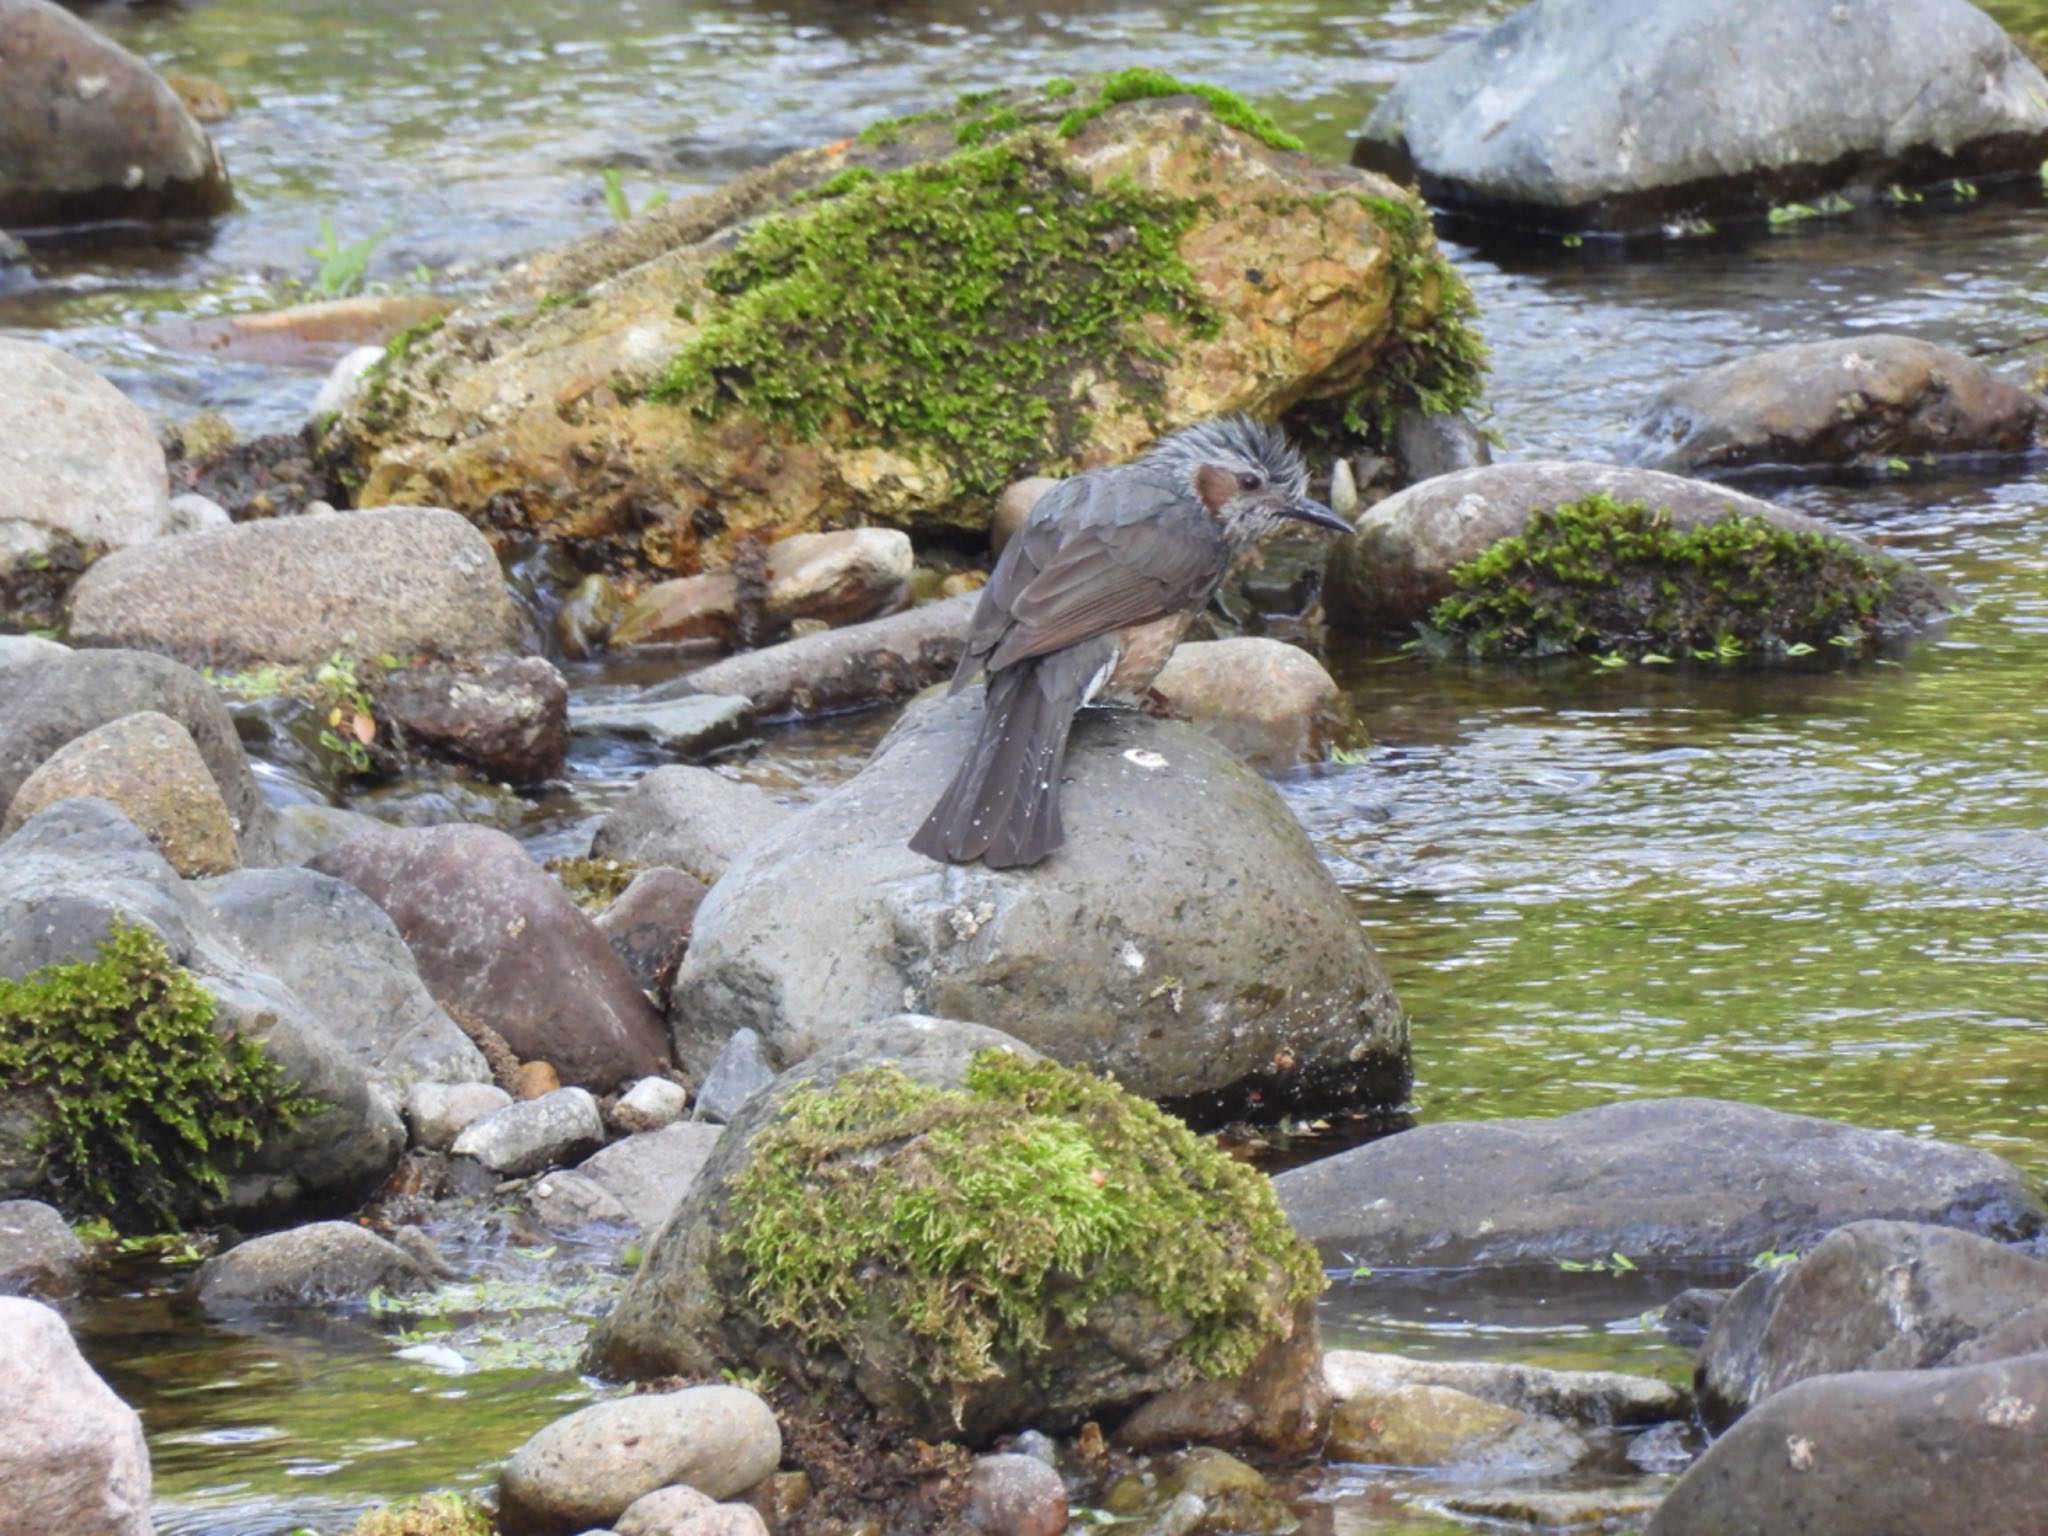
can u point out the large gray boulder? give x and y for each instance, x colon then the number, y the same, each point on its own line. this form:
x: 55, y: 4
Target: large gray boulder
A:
x: 1634, y: 114
x: 399, y: 581
x: 89, y: 132
x: 1648, y: 1178
x: 1907, y: 1453
x: 499, y: 942
x: 1860, y: 402
x: 1873, y: 1296
x: 1186, y: 938
x: 72, y: 1458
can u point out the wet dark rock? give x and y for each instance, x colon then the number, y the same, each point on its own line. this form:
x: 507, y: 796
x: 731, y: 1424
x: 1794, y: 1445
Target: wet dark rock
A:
x: 1632, y: 116
x: 1430, y: 1426
x: 1595, y: 1399
x: 1387, y: 578
x: 1872, y: 1296
x: 835, y: 578
x: 1689, y: 1314
x: 89, y: 133
x: 498, y: 940
x: 1431, y: 443
x: 42, y: 707
x: 550, y: 1131
x: 269, y: 476
x: 740, y: 1070
x: 39, y: 1253
x: 507, y: 716
x: 882, y: 659
x: 1668, y: 1447
x: 1271, y: 703
x: 688, y: 818
x: 1015, y: 1496
x: 1909, y: 1453
x: 72, y: 1459
x: 1648, y: 1178
x: 396, y: 581
x: 1231, y: 976
x: 1861, y: 402
x: 651, y: 1104
x: 648, y: 1172
x: 678, y: 720
x: 587, y: 1469
x: 308, y: 1266
x: 1206, y: 1492
x: 437, y: 1113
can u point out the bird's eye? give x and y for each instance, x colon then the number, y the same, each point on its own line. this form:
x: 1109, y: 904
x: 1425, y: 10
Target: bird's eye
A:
x: 1249, y: 481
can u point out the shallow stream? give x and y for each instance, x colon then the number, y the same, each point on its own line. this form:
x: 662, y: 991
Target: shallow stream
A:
x: 1822, y: 890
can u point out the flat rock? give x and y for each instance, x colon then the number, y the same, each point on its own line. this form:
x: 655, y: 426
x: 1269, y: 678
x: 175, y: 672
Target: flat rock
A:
x: 1908, y: 1453
x: 39, y: 1253
x: 506, y: 716
x: 72, y: 1458
x: 587, y: 1469
x: 316, y: 1265
x: 294, y: 591
x: 693, y: 819
x: 1595, y: 1399
x: 531, y: 1134
x: 1648, y: 1178
x: 149, y: 766
x: 1860, y: 402
x: 650, y: 1171
x: 1635, y: 114
x: 1432, y: 1426
x: 1271, y: 703
x: 687, y: 724
x: 437, y: 1113
x: 1232, y: 970
x: 887, y: 658
x: 1561, y: 1509
x: 832, y: 578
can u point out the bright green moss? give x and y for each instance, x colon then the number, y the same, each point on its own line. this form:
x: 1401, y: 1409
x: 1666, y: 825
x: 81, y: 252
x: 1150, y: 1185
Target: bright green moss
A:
x: 438, y: 1514
x: 401, y: 344
x: 1603, y: 575
x: 146, y: 1106
x: 980, y: 1220
x: 1058, y: 87
x: 839, y: 185
x: 976, y: 130
x: 1150, y: 84
x: 948, y: 306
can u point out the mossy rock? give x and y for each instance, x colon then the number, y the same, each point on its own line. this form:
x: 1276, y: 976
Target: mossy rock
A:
x: 968, y: 1239
x: 895, y: 327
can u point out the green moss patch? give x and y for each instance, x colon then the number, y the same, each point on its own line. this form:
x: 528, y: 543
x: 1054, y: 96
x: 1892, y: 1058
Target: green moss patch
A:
x: 438, y: 1514
x: 147, y: 1106
x: 1604, y: 575
x: 948, y: 306
x: 1151, y: 84
x: 979, y: 1221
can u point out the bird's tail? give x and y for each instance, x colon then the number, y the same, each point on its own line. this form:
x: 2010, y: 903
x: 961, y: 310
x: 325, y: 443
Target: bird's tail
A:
x: 1003, y: 806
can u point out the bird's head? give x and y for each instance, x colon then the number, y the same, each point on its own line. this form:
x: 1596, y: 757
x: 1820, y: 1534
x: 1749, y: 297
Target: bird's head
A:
x: 1249, y: 477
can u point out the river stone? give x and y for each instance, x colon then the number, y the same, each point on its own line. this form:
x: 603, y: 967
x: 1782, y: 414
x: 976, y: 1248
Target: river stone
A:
x: 1187, y: 938
x: 1398, y: 567
x: 1312, y: 274
x: 437, y: 1113
x: 1205, y: 1492
x: 338, y: 951
x: 507, y: 716
x: 1648, y: 1178
x: 1873, y: 1296
x: 303, y: 336
x: 1596, y: 1399
x: 680, y: 1510
x: 1908, y: 1453
x: 88, y: 132
x: 28, y: 651
x: 75, y: 871
x: 1620, y: 1508
x: 499, y: 942
x: 59, y: 700
x: 1271, y: 703
x: 1012, y: 1495
x: 149, y: 766
x: 588, y: 1469
x: 301, y: 833
x: 531, y: 1134
x: 882, y: 659
x: 190, y: 513
x: 567, y: 1201
x: 739, y: 1071
x: 1634, y: 114
x: 294, y: 591
x: 650, y: 1171
x: 649, y: 928
x: 833, y: 578
x: 72, y: 1458
x: 686, y: 723
x: 650, y: 1105
x: 310, y: 1266
x: 39, y: 1253
x: 692, y: 819
x: 1862, y: 401
x: 1431, y: 443
x: 1427, y: 1426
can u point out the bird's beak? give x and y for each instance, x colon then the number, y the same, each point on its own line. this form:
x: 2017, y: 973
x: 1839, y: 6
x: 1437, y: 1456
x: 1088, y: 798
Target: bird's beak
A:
x: 1319, y: 515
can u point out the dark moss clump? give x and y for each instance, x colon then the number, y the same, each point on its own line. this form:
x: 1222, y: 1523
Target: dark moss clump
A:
x: 979, y: 1221
x: 592, y: 883
x: 948, y: 305
x: 1151, y: 84
x: 145, y: 1105
x: 1603, y: 575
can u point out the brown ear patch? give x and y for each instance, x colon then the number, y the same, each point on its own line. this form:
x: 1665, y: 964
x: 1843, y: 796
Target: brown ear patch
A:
x: 1215, y: 485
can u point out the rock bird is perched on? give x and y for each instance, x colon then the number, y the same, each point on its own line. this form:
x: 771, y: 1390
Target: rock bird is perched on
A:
x: 1090, y: 598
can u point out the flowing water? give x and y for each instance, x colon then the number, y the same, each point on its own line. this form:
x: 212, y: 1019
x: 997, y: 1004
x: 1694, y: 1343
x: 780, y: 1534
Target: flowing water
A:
x: 1817, y: 889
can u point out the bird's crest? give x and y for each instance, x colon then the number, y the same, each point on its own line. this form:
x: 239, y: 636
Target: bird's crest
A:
x: 1237, y: 442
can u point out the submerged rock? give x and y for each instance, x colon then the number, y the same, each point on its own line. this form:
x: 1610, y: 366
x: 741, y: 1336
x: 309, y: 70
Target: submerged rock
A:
x: 1861, y: 402
x: 308, y: 1266
x: 1638, y: 114
x: 1648, y: 1178
x: 1596, y: 1399
x: 759, y: 361
x: 1872, y: 1296
x: 89, y: 133
x: 1186, y: 938
x: 72, y: 1458
x: 1205, y: 1492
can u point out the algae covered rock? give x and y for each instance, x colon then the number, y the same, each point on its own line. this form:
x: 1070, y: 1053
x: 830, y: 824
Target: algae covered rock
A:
x: 967, y: 1240
x: 894, y: 328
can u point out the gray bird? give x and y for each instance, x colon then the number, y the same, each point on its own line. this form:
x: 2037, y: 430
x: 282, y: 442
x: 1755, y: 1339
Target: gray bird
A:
x: 1089, y: 599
